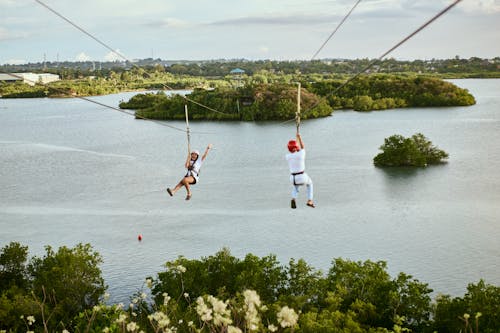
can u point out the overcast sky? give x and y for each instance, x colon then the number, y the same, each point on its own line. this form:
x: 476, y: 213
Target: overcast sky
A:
x: 250, y: 29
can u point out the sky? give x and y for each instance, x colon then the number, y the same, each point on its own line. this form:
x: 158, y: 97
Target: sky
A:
x: 249, y: 29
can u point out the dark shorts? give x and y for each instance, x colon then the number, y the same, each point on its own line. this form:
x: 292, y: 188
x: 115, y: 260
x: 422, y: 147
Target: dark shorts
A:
x: 194, y: 180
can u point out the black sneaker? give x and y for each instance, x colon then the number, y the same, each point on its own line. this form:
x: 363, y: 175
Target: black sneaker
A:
x: 293, y: 204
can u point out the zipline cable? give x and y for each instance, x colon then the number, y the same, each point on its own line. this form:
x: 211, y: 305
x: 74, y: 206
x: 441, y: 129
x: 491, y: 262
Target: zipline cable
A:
x: 297, y: 114
x: 404, y: 40
x: 335, y: 30
x: 119, y: 54
x: 187, y: 129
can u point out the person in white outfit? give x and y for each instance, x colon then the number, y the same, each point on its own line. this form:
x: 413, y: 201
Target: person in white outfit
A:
x: 298, y: 177
x: 193, y: 166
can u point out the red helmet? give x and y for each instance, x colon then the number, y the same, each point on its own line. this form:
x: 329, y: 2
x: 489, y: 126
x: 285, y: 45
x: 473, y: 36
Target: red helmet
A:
x: 293, y: 146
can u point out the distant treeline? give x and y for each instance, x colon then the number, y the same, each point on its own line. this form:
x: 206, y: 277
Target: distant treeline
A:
x: 456, y: 67
x: 318, y: 99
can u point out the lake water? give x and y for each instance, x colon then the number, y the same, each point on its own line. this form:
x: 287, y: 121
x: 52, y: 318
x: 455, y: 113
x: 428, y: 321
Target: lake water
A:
x: 71, y: 172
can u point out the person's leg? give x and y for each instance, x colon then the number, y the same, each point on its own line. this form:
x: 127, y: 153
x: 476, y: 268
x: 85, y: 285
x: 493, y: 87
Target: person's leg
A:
x: 187, y: 181
x: 295, y: 192
x: 310, y: 192
x: 176, y: 188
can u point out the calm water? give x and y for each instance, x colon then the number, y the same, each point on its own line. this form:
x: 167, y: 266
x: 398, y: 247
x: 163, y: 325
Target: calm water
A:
x: 71, y: 172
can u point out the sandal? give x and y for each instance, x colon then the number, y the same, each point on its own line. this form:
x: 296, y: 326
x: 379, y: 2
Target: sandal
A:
x: 170, y: 192
x: 188, y: 196
x: 310, y: 204
x: 293, y: 204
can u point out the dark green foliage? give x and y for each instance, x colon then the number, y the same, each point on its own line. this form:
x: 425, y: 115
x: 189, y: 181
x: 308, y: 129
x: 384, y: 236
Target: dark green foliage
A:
x: 62, y: 283
x: 13, y: 260
x: 479, y: 298
x: 415, y: 151
x: 259, y: 102
x: 380, y: 91
x: 70, y: 279
x: 222, y: 275
x: 353, y: 294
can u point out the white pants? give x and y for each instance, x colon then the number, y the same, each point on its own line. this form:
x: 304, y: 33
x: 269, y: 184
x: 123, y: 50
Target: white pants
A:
x: 300, y: 180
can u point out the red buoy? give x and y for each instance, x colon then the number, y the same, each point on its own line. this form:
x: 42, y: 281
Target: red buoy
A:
x: 139, y: 238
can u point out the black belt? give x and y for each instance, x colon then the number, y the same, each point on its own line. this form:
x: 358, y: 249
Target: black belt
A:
x: 297, y: 173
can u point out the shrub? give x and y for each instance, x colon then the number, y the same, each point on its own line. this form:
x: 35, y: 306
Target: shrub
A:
x: 415, y: 151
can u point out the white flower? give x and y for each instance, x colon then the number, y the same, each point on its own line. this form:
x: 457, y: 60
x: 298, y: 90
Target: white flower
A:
x: 181, y: 321
x: 161, y: 318
x: 132, y: 326
x: 65, y: 331
x: 131, y: 306
x: 31, y: 320
x: 220, y: 312
x: 106, y: 297
x: 287, y: 317
x: 272, y: 328
x: 119, y: 306
x: 144, y: 295
x: 252, y: 302
x: 232, y: 329
x: 149, y: 283
x: 251, y: 297
x: 466, y: 316
x: 121, y: 318
x: 181, y: 269
x: 96, y: 308
x: 190, y: 323
x: 30, y: 331
x: 166, y: 299
x: 203, y: 310
x: 135, y: 300
x: 105, y: 330
x: 186, y: 295
x: 479, y: 314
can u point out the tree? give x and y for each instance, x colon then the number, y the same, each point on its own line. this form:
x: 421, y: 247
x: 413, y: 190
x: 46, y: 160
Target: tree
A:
x: 415, y: 151
x: 13, y: 267
x: 69, y: 280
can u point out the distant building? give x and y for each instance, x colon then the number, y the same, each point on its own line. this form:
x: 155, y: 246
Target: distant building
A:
x: 29, y: 78
x: 237, y: 75
x: 9, y: 78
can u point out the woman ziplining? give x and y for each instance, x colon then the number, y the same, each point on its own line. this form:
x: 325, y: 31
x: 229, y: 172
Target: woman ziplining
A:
x: 296, y: 159
x: 193, y: 165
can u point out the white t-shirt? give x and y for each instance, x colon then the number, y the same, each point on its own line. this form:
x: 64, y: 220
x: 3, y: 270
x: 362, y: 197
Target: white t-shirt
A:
x: 196, y: 167
x: 296, y: 161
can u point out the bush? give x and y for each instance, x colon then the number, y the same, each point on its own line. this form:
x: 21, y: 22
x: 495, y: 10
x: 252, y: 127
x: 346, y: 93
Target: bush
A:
x: 415, y: 151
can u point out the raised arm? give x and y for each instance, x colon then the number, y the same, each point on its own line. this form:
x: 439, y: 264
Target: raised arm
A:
x: 299, y: 140
x: 206, y: 152
x: 187, y: 164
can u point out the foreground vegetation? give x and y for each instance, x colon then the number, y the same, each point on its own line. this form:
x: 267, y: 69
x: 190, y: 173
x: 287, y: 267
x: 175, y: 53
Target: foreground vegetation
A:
x: 64, y: 291
x: 416, y: 151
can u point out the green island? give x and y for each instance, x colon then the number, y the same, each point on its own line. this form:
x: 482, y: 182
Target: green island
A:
x: 416, y: 151
x: 64, y: 291
x: 278, y: 101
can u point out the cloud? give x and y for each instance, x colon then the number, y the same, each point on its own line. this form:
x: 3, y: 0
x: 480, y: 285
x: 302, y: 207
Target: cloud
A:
x: 82, y: 57
x: 7, y: 34
x: 264, y: 49
x: 169, y: 22
x: 480, y: 6
x: 113, y: 56
x: 278, y: 20
x: 16, y: 62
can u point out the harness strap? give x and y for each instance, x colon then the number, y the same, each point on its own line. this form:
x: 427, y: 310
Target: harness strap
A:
x: 296, y: 174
